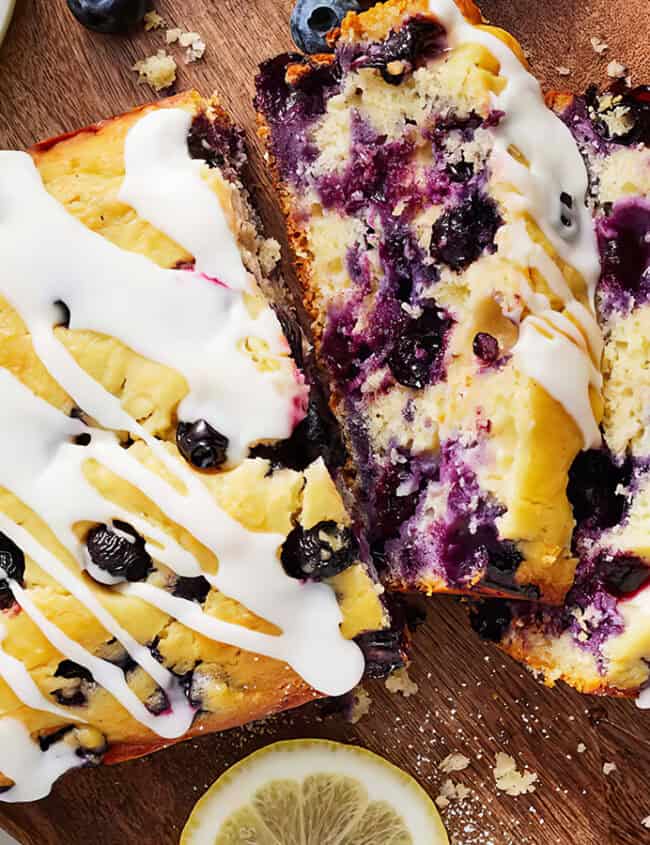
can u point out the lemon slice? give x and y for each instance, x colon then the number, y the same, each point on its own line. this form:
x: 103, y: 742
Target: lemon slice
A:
x: 314, y: 792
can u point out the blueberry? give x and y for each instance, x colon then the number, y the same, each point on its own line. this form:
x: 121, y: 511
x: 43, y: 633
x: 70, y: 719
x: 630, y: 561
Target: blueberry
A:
x: 383, y: 651
x: 486, y: 347
x: 108, y: 15
x: 418, y: 349
x: 627, y: 575
x: 633, y: 103
x: 311, y: 20
x: 69, y: 669
x: 118, y: 555
x: 461, y: 234
x: 201, y: 445
x: 595, y: 488
x: 318, y: 552
x: 315, y: 436
x: 192, y: 589
x: 12, y: 561
x: 491, y: 619
x: 64, y: 314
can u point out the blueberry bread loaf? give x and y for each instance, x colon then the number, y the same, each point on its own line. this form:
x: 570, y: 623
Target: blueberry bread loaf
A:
x: 436, y: 209
x: 165, y: 571
x: 600, y: 640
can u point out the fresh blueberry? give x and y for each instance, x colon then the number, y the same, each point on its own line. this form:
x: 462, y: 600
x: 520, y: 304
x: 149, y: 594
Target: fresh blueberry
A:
x: 418, y: 349
x: 460, y: 235
x: 120, y: 553
x: 311, y: 20
x: 108, y: 15
x: 201, y: 445
x: 192, y: 589
x: 12, y: 565
x: 318, y: 552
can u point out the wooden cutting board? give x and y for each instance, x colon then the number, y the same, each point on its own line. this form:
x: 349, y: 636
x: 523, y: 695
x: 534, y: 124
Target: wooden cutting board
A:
x: 54, y: 76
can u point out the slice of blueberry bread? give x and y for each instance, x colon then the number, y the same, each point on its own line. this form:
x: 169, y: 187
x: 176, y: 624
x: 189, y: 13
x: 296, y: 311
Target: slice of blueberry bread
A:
x: 600, y: 640
x: 436, y: 209
x: 175, y: 558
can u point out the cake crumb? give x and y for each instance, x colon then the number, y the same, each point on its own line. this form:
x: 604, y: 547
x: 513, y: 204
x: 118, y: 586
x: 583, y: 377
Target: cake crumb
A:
x: 152, y: 20
x: 454, y: 763
x: 158, y: 70
x: 563, y: 71
x: 450, y: 791
x: 615, y: 70
x: 172, y: 35
x: 191, y: 40
x: 646, y: 822
x: 608, y: 768
x: 361, y: 702
x: 509, y: 780
x: 598, y: 45
x: 581, y: 748
x: 195, y: 46
x: 399, y: 681
x: 269, y: 255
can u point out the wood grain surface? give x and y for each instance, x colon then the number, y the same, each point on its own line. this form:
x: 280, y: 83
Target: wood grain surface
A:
x: 54, y: 76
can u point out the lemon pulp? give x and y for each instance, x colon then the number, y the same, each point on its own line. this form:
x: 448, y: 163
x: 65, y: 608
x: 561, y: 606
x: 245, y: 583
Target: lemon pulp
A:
x: 314, y: 792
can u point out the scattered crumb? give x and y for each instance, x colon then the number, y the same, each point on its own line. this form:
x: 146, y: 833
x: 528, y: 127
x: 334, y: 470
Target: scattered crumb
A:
x: 509, y: 780
x: 563, y: 71
x: 454, y: 763
x: 159, y: 70
x: 172, y: 35
x: 195, y: 46
x: 269, y: 255
x: 581, y: 748
x: 646, y: 822
x: 598, y: 45
x: 399, y: 681
x: 361, y: 702
x: 192, y: 40
x: 450, y: 791
x: 152, y: 20
x: 615, y: 70
x: 608, y: 768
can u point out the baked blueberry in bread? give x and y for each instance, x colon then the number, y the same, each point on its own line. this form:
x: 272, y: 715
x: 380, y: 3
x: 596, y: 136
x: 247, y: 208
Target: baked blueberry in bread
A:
x: 436, y: 209
x: 174, y: 556
x: 600, y: 640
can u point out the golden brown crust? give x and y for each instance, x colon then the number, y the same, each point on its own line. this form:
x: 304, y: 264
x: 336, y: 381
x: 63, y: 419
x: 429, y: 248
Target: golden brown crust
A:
x: 299, y: 694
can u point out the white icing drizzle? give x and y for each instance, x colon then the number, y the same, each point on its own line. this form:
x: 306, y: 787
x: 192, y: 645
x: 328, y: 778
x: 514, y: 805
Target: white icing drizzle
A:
x: 565, y: 366
x: 13, y: 672
x: 199, y: 328
x: 32, y: 770
x: 164, y: 185
x: 176, y: 317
